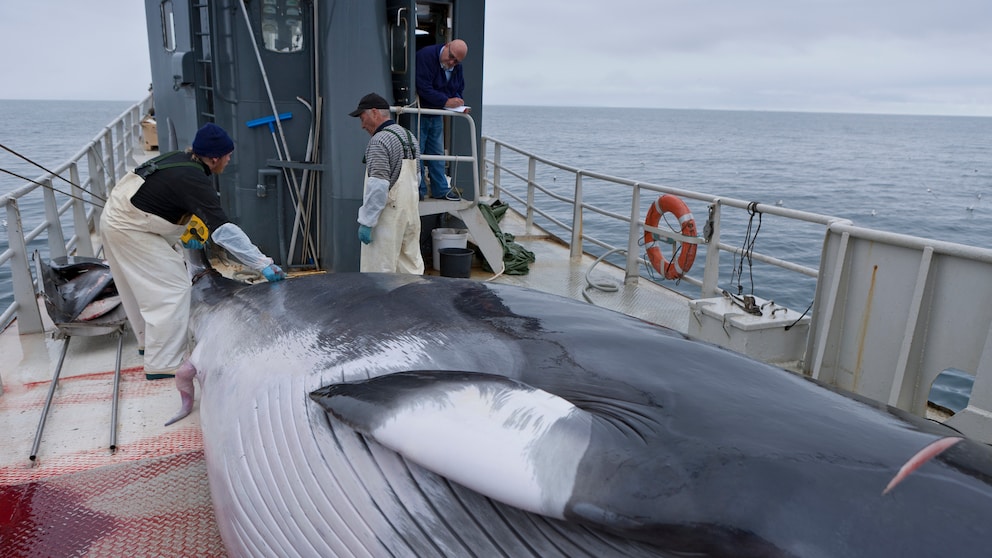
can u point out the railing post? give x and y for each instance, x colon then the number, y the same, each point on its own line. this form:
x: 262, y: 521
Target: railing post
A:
x: 120, y: 149
x: 711, y: 272
x: 97, y: 184
x: 56, y: 238
x: 497, y: 166
x: 633, y: 271
x: 484, y: 173
x: 28, y: 313
x: 975, y: 420
x: 531, y: 170
x: 576, y: 249
x: 80, y: 224
x: 131, y: 139
x: 109, y: 163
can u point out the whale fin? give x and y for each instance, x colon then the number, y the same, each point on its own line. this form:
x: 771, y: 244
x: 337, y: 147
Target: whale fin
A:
x: 502, y: 438
x: 184, y: 383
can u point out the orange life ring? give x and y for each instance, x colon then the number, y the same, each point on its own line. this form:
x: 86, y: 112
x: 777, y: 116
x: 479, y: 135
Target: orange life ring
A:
x: 676, y: 268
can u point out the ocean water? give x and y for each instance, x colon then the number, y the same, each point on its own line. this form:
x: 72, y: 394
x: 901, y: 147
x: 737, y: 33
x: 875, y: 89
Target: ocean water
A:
x: 911, y: 174
x: 47, y: 133
x: 924, y: 175
x: 927, y: 176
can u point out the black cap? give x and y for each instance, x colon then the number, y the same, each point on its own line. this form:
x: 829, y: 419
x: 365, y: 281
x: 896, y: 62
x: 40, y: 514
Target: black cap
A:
x: 370, y: 101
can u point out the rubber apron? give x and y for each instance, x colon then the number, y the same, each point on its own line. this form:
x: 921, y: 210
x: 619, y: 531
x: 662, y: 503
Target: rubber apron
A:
x: 150, y: 276
x: 395, y: 246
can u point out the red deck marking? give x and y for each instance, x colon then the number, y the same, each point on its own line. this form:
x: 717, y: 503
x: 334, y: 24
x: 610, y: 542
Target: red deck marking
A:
x: 158, y: 506
x: 92, y: 375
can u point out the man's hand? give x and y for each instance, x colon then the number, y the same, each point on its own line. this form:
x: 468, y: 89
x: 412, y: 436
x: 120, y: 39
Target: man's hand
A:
x: 193, y: 244
x: 272, y: 272
x: 365, y: 234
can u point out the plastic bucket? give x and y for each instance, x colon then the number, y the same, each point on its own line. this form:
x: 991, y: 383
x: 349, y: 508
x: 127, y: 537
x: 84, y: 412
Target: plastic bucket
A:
x: 447, y: 238
x: 456, y: 262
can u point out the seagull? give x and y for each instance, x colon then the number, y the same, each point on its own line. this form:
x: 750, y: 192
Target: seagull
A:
x: 780, y: 203
x: 873, y: 213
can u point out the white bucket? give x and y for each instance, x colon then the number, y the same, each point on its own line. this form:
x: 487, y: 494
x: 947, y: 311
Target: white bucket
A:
x: 447, y: 238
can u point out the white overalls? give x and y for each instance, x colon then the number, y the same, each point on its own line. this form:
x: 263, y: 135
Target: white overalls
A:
x: 395, y: 246
x: 150, y: 276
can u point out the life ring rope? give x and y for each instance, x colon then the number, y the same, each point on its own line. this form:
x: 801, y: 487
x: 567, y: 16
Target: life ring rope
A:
x: 683, y: 253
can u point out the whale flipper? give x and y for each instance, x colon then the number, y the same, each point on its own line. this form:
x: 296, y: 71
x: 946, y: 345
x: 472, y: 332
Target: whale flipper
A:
x: 500, y: 437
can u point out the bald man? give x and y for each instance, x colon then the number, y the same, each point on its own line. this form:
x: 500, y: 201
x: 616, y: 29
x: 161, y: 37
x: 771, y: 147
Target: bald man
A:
x: 440, y: 84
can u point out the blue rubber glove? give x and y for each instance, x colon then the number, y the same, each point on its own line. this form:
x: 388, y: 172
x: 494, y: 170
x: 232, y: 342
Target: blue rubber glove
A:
x: 273, y: 273
x: 193, y: 244
x: 365, y: 234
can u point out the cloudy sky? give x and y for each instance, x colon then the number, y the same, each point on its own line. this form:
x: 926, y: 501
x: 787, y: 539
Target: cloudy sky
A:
x: 871, y: 56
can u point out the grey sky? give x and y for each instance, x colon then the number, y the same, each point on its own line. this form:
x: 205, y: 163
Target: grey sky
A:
x: 877, y: 56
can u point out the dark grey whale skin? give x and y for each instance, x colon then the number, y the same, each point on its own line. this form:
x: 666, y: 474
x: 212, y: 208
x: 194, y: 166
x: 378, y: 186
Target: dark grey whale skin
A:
x: 695, y: 450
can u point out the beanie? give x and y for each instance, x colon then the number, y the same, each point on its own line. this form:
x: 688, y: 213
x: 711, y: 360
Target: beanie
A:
x: 212, y: 141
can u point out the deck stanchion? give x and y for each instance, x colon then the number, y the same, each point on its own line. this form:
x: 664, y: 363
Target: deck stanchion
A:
x: 48, y: 400
x: 117, y: 390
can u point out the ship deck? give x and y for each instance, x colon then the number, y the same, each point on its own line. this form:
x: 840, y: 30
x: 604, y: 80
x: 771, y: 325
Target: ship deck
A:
x: 79, y: 497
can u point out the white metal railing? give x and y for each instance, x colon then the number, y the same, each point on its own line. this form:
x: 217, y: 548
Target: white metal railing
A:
x: 472, y: 158
x: 87, y: 176
x: 890, y: 311
x: 633, y: 193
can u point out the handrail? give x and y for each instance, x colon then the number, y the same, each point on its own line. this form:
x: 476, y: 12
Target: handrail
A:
x: 633, y: 219
x: 473, y: 158
x: 106, y: 158
x: 636, y: 224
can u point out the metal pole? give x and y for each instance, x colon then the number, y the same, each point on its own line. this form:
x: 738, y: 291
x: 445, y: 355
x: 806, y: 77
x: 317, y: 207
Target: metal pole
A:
x: 48, y: 401
x: 117, y: 390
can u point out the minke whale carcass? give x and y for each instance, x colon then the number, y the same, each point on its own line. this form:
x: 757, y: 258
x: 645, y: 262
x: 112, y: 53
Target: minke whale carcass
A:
x: 399, y: 415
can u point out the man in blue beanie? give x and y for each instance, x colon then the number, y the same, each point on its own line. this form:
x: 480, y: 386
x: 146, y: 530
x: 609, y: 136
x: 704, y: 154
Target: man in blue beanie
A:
x: 145, y: 215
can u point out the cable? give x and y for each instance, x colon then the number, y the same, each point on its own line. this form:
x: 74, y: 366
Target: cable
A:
x: 11, y: 151
x: 790, y: 326
x: 54, y: 189
x: 747, y: 249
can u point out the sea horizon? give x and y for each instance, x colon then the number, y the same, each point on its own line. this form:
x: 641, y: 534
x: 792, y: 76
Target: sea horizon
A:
x: 523, y: 105
x: 924, y: 175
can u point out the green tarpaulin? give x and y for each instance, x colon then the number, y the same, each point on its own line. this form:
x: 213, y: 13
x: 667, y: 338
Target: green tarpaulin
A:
x: 516, y: 258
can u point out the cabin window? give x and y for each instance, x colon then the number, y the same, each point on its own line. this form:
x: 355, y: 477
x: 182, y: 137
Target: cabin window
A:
x: 282, y: 25
x: 168, y: 27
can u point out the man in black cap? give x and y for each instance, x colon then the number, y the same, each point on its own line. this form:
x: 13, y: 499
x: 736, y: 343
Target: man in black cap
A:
x: 389, y: 219
x: 143, y: 219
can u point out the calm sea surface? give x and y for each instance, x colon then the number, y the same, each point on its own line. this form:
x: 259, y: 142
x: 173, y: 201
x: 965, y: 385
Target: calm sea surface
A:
x: 923, y: 175
x: 48, y: 133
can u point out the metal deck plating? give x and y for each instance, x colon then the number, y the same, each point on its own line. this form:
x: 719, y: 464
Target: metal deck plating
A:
x: 149, y: 497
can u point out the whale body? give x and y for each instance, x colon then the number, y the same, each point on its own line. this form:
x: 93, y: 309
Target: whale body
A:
x: 376, y: 415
